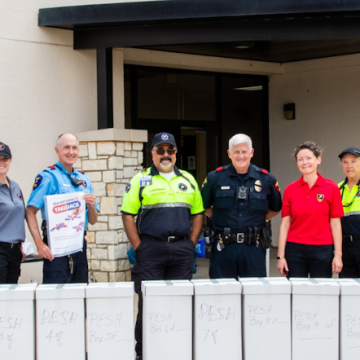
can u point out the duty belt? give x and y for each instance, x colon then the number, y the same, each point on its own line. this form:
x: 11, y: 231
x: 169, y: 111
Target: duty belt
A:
x: 351, y: 238
x: 239, y: 238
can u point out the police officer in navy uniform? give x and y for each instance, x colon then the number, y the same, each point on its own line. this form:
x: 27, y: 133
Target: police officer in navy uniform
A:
x: 59, y: 179
x: 169, y: 210
x: 240, y: 198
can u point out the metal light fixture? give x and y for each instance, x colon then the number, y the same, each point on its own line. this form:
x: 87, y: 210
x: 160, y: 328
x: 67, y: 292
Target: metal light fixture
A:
x: 289, y: 111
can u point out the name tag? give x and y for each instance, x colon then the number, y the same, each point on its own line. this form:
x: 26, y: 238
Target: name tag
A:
x: 225, y: 188
x: 66, y: 185
x: 146, y: 180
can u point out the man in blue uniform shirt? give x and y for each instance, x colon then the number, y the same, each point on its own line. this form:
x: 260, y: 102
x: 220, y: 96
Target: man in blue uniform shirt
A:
x: 240, y: 198
x: 59, y: 179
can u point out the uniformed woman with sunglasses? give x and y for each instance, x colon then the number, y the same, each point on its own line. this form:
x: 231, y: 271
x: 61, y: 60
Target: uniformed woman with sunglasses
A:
x: 12, y: 225
x: 350, y: 222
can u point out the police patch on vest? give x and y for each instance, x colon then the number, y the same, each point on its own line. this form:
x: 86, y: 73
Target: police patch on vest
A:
x: 37, y: 182
x: 165, y: 136
x: 320, y: 197
x: 204, y: 183
x: 127, y: 189
x: 277, y: 187
x: 83, y: 183
x: 2, y: 146
x: 182, y: 187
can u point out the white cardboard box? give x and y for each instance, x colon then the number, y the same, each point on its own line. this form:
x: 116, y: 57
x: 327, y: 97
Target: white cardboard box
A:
x: 17, y: 321
x: 167, y: 319
x: 60, y: 322
x: 349, y: 319
x: 266, y: 318
x: 110, y: 321
x: 315, y: 319
x: 217, y: 319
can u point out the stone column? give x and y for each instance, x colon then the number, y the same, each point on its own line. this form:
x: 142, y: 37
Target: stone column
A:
x: 110, y: 165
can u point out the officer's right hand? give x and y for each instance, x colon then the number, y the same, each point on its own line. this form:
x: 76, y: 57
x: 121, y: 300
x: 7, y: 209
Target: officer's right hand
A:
x: 45, y: 252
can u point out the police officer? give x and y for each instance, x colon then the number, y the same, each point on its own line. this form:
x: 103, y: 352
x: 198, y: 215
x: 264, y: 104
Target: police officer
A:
x: 59, y: 179
x: 350, y: 223
x: 168, y: 206
x: 240, y: 198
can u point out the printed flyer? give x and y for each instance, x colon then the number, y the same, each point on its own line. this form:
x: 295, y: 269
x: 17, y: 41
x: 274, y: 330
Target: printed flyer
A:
x: 65, y: 222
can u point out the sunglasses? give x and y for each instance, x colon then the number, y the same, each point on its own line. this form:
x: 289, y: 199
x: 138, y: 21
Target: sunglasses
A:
x: 75, y: 182
x: 162, y: 151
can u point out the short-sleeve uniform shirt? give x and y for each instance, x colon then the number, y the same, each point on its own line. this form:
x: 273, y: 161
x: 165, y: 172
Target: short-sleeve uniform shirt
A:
x: 310, y: 210
x: 163, y: 208
x: 56, y: 180
x: 220, y: 192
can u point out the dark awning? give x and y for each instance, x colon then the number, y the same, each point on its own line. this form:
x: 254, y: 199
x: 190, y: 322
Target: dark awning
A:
x: 216, y: 27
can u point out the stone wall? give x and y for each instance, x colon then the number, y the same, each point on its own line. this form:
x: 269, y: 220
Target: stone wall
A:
x: 110, y: 165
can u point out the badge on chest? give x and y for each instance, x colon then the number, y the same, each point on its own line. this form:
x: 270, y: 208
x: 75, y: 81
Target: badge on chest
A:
x: 145, y: 180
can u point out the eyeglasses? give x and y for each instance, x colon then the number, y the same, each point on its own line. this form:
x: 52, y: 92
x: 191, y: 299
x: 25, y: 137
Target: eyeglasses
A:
x: 162, y: 151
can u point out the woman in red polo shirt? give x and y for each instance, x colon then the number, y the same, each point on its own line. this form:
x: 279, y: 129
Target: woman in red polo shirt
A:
x: 310, y: 226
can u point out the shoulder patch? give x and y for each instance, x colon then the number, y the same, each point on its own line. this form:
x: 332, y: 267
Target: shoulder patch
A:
x: 127, y: 188
x: 52, y: 167
x: 277, y: 187
x: 83, y: 172
x: 37, y: 182
x: 204, y: 183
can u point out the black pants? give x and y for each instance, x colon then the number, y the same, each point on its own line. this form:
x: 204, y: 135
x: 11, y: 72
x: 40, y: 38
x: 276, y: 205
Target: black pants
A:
x: 237, y: 260
x: 160, y: 260
x: 10, y: 261
x: 57, y: 271
x: 314, y: 260
x: 351, y: 260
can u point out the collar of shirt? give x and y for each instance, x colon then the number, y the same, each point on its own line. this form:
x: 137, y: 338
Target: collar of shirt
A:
x: 252, y: 173
x: 319, y: 182
x: 59, y: 165
x: 154, y: 171
x: 9, y: 181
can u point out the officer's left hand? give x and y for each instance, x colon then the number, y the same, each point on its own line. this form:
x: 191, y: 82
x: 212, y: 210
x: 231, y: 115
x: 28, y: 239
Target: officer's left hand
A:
x: 337, y: 264
x: 90, y: 199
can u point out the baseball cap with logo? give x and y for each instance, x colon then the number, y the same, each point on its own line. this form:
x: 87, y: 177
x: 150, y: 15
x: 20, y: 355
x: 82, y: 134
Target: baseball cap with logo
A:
x: 163, y: 138
x: 5, y: 150
x: 350, y: 150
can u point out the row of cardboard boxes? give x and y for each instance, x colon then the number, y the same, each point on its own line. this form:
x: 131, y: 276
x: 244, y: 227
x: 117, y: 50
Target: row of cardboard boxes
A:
x: 250, y: 319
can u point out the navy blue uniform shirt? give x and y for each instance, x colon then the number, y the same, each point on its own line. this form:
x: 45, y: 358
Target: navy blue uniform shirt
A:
x: 220, y: 188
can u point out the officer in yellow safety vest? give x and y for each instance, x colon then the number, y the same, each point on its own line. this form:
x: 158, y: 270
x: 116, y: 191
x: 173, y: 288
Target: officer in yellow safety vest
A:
x: 169, y: 208
x: 350, y: 192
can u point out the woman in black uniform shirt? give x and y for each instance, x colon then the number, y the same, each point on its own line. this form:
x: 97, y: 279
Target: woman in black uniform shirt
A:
x: 12, y: 225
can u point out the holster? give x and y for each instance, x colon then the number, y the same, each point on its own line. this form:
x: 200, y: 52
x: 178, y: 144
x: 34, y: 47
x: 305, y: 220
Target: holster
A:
x: 265, y: 237
x: 256, y: 235
x: 208, y: 240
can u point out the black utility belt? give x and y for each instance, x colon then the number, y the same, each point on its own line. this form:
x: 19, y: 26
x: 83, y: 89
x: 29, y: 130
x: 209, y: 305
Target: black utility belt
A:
x: 351, y: 238
x: 170, y: 239
x: 10, y: 245
x: 239, y: 238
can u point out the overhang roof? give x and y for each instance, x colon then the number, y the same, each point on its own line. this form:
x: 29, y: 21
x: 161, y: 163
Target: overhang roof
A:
x: 275, y: 30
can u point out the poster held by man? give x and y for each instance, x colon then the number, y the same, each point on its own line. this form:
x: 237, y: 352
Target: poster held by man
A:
x: 66, y: 221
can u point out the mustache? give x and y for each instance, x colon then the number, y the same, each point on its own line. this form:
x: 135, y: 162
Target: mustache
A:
x: 165, y: 158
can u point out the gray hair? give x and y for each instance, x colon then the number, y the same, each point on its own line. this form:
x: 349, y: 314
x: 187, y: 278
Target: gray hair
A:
x: 61, y: 135
x: 240, y: 139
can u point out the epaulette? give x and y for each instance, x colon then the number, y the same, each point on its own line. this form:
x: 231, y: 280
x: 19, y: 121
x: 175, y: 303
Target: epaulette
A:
x: 220, y: 168
x: 83, y: 172
x: 52, y: 167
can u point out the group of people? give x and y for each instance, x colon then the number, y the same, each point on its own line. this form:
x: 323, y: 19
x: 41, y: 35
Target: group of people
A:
x: 163, y: 209
x: 59, y: 178
x: 163, y: 206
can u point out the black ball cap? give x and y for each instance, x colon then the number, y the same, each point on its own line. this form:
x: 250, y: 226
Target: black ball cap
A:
x: 163, y: 138
x: 350, y: 150
x: 5, y: 150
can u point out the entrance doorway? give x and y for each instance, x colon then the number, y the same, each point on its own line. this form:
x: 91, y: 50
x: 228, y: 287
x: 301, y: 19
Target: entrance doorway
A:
x: 201, y: 109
